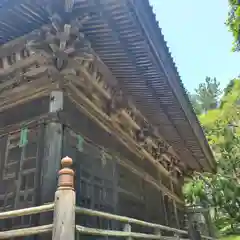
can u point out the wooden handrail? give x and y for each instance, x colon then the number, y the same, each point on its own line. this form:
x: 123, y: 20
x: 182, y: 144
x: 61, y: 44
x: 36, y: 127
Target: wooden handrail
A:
x: 27, y: 211
x: 128, y: 220
x: 112, y: 233
x: 124, y: 219
x: 23, y: 232
x: 26, y: 231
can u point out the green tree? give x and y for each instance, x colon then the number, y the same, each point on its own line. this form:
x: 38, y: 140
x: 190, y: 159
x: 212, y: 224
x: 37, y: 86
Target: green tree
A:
x: 226, y: 91
x: 229, y: 87
x: 221, y: 191
x: 207, y: 94
x: 195, y: 104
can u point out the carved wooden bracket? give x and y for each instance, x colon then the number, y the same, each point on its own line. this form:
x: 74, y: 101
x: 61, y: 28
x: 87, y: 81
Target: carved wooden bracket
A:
x: 60, y: 42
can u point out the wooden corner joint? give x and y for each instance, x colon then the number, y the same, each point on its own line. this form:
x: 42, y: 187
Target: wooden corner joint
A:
x: 66, y: 174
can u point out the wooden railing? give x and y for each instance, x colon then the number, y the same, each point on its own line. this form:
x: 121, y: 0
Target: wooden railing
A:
x: 26, y: 231
x: 64, y: 226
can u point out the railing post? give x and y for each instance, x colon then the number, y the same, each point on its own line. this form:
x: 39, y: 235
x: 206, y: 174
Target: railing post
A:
x: 177, y: 236
x: 157, y: 231
x: 127, y: 228
x: 64, y: 209
x: 193, y: 232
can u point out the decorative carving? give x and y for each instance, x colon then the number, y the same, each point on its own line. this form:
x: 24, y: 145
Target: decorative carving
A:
x: 60, y: 42
x: 135, y: 125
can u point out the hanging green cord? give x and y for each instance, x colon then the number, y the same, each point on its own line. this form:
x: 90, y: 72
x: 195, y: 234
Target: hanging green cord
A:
x: 23, y: 137
x: 80, y: 143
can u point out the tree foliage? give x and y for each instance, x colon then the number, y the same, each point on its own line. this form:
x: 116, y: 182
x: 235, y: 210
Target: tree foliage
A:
x: 233, y: 22
x: 208, y: 93
x: 195, y: 104
x: 229, y: 87
x: 221, y: 191
x: 206, y: 96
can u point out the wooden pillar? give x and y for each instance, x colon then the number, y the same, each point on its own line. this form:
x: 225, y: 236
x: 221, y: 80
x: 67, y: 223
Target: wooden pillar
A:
x: 64, y: 209
x: 175, y: 207
x: 52, y: 150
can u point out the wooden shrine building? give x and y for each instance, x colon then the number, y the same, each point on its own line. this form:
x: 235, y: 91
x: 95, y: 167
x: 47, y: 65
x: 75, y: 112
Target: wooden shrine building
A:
x: 94, y: 80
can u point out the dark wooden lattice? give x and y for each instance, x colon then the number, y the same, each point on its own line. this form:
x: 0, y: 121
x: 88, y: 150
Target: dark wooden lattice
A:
x: 20, y: 175
x: 94, y: 180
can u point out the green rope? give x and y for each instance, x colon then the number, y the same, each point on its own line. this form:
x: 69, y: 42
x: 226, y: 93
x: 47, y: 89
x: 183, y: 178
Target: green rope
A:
x: 80, y: 143
x: 23, y: 137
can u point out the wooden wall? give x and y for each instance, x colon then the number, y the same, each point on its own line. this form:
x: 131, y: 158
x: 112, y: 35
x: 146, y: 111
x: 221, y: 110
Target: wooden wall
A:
x: 102, y: 182
x: 105, y: 184
x: 21, y: 156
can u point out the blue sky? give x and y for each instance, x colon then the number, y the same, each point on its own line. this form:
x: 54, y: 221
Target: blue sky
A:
x: 198, y: 39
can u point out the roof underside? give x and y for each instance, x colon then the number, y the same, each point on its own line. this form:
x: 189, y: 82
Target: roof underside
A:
x: 127, y: 38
